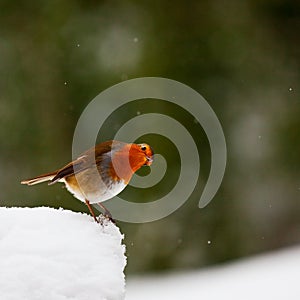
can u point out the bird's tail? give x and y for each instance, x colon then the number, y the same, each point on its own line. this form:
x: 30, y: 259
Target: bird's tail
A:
x: 40, y: 178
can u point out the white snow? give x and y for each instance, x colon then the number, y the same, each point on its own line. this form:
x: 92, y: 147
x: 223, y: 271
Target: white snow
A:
x: 48, y: 254
x: 271, y: 277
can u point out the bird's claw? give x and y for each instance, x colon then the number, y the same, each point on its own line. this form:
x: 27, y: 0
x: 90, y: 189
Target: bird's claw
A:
x: 102, y: 219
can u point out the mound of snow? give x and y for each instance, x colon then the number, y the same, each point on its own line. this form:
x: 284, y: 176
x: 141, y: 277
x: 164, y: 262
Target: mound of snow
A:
x: 274, y: 276
x: 53, y: 254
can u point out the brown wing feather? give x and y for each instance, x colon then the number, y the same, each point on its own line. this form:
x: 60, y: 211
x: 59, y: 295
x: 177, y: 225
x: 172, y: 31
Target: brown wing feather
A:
x: 39, y: 179
x: 83, y: 162
x: 67, y: 170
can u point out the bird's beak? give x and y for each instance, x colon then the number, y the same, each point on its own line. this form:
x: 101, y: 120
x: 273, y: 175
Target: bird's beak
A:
x: 148, y: 161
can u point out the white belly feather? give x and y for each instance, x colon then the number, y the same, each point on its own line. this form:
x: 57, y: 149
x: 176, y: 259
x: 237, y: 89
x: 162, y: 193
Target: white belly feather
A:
x: 95, y: 190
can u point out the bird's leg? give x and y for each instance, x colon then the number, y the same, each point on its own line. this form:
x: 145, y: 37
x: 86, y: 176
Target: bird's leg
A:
x: 91, y: 210
x: 106, y: 212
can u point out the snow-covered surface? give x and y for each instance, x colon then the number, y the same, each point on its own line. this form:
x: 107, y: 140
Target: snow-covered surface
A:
x: 275, y: 276
x: 48, y: 254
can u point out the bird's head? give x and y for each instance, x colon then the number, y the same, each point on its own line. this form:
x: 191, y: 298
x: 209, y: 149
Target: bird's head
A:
x: 140, y: 155
x: 128, y: 158
x: 145, y: 152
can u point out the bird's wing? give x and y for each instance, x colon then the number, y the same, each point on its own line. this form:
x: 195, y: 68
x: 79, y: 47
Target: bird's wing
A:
x: 88, y: 159
x: 71, y: 168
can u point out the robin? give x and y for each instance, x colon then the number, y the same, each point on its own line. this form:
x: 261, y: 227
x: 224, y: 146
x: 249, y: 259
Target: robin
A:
x: 100, y: 173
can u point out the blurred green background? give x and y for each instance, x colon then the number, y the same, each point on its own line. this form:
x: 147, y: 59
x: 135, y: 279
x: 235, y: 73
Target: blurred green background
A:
x: 242, y: 56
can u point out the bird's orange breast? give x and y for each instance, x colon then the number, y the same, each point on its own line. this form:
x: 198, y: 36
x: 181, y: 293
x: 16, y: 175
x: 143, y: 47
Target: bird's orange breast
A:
x: 126, y: 162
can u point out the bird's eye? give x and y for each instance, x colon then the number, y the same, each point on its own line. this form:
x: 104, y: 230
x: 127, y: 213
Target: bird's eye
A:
x: 144, y: 148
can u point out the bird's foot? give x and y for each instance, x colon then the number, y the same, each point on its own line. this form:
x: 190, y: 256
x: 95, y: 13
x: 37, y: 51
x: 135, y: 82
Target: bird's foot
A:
x: 103, y: 219
x: 110, y: 218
